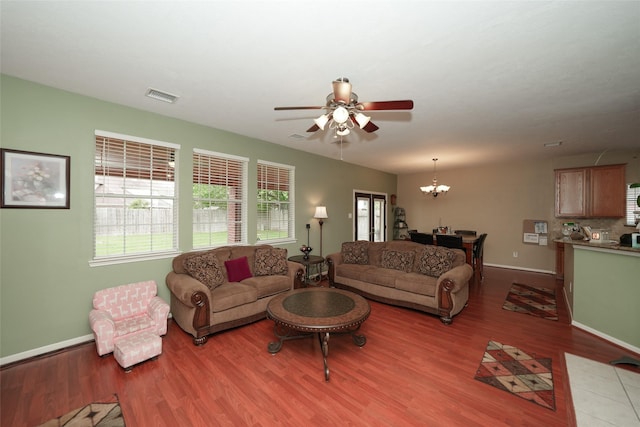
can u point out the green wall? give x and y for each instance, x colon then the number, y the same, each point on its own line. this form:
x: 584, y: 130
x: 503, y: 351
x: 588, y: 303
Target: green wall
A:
x: 606, y: 292
x: 46, y: 284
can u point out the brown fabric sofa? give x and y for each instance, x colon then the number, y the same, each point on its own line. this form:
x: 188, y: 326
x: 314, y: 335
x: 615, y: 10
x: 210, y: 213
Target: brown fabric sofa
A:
x: 429, y: 278
x: 211, y: 290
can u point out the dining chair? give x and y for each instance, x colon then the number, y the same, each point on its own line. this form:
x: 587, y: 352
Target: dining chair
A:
x: 478, y: 257
x: 467, y: 232
x: 424, y: 238
x: 450, y: 241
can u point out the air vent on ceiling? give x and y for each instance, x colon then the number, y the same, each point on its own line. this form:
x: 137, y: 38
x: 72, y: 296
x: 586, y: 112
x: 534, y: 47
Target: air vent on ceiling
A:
x: 161, y: 96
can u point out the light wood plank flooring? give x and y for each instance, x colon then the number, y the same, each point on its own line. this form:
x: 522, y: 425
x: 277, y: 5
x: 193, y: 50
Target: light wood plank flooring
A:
x: 413, y: 371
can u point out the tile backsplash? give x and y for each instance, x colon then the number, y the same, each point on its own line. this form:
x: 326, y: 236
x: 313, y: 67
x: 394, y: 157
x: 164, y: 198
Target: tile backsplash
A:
x: 616, y: 226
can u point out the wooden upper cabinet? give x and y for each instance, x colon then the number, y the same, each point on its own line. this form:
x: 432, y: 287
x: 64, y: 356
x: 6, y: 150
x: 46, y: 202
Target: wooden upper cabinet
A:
x: 571, y: 193
x: 591, y: 192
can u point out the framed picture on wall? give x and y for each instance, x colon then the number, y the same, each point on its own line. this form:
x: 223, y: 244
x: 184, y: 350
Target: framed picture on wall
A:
x: 34, y: 180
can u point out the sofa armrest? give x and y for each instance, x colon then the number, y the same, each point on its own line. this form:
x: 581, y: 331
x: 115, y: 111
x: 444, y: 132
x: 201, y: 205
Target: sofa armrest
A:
x: 459, y: 276
x: 158, y: 310
x: 296, y: 273
x: 332, y: 261
x: 183, y: 287
x: 104, y: 329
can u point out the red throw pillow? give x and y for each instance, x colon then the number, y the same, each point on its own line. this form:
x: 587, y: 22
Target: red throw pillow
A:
x: 238, y: 269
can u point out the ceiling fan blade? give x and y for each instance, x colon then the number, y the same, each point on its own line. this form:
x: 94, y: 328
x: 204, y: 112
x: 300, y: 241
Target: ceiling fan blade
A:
x: 313, y: 128
x: 406, y: 104
x: 298, y: 108
x: 342, y: 91
x: 370, y: 127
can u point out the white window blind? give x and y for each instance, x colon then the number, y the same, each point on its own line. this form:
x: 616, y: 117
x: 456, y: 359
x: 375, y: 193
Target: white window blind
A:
x: 219, y: 199
x: 632, y: 205
x: 135, y: 212
x: 276, y: 202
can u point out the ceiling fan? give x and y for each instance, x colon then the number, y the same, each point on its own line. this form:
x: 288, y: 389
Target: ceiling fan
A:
x: 344, y: 111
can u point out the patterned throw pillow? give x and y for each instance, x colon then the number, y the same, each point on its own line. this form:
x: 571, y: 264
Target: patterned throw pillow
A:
x: 435, y: 260
x: 398, y: 260
x: 355, y: 252
x: 205, y: 268
x: 270, y: 261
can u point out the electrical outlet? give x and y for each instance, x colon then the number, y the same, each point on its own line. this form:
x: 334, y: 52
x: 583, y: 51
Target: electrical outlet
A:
x: 515, y: 254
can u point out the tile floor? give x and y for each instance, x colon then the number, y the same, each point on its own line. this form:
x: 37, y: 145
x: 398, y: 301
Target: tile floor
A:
x: 603, y: 395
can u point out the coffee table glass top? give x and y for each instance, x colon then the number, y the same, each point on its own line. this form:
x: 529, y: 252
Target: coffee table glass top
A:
x: 318, y: 309
x: 318, y: 304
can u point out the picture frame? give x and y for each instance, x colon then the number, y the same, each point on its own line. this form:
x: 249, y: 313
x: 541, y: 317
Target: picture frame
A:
x: 34, y: 180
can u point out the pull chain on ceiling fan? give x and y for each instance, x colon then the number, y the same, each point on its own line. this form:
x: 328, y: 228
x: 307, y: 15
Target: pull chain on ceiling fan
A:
x: 344, y: 111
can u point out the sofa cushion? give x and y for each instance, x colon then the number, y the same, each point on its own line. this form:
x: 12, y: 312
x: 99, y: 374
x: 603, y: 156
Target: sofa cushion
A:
x: 355, y: 252
x: 435, y: 260
x: 269, y: 285
x: 397, y: 260
x: 270, y: 261
x: 238, y: 269
x: 230, y: 295
x: 417, y: 283
x: 205, y: 267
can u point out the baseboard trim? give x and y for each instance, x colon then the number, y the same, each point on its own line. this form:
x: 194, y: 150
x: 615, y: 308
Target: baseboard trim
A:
x: 46, y: 349
x: 512, y: 267
x: 604, y: 336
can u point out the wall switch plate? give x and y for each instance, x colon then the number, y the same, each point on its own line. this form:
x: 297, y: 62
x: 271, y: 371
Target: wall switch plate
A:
x: 515, y: 254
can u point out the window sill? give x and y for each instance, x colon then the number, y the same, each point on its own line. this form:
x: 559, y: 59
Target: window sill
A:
x: 99, y: 262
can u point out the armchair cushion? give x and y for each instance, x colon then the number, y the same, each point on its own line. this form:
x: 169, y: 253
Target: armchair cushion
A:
x: 206, y: 268
x: 271, y: 261
x: 238, y: 269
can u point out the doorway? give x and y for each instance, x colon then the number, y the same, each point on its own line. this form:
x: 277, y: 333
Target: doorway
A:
x: 371, y: 217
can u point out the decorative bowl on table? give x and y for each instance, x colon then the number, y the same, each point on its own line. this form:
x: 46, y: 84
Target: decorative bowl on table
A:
x: 305, y: 250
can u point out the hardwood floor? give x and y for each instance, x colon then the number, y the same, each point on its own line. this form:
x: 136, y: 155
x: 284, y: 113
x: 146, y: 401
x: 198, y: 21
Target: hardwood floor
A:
x: 413, y: 371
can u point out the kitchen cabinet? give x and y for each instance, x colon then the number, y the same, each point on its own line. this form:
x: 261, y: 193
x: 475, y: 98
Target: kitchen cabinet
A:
x: 591, y: 192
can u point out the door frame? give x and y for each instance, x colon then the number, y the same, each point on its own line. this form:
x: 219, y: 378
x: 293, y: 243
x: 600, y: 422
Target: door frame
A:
x: 354, y: 202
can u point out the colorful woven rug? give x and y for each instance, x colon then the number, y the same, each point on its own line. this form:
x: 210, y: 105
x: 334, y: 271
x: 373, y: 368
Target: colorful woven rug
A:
x: 103, y: 413
x: 519, y: 373
x: 539, y: 302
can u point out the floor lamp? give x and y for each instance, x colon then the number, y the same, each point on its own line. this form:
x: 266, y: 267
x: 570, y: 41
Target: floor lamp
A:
x: 320, y: 215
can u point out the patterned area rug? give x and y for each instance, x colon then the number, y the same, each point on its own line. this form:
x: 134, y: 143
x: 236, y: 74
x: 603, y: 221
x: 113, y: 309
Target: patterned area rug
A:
x: 103, y: 413
x: 539, y: 302
x: 519, y: 373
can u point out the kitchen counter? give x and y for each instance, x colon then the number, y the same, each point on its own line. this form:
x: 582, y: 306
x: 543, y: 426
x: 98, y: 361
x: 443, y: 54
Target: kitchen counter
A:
x: 612, y: 245
x: 602, y: 291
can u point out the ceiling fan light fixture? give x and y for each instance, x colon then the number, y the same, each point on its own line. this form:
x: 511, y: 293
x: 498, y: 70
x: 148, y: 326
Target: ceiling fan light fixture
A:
x: 340, y: 115
x: 321, y: 121
x: 343, y: 132
x: 362, y: 120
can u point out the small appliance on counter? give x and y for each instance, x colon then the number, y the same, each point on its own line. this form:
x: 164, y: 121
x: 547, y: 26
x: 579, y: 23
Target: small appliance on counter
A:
x: 597, y: 235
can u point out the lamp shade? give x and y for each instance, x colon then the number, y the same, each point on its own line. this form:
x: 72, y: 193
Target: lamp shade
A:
x: 362, y: 120
x: 340, y: 115
x: 322, y: 121
x: 321, y: 212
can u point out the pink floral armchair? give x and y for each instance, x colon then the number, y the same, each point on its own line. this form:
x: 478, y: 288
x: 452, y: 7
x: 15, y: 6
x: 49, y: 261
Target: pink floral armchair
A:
x: 124, y: 311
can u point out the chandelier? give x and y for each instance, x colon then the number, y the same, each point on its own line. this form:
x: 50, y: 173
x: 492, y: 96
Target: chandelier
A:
x: 434, y: 189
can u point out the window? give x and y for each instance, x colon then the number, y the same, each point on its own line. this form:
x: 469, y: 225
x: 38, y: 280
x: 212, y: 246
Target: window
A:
x: 632, y: 205
x: 219, y: 199
x: 135, y: 212
x: 276, y: 202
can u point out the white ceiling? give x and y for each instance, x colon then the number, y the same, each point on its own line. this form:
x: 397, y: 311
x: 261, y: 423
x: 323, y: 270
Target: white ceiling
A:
x: 491, y: 81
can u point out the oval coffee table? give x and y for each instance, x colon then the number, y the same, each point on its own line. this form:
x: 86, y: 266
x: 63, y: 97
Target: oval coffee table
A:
x: 317, y: 311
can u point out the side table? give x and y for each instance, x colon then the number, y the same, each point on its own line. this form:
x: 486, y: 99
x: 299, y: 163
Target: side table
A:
x: 312, y: 260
